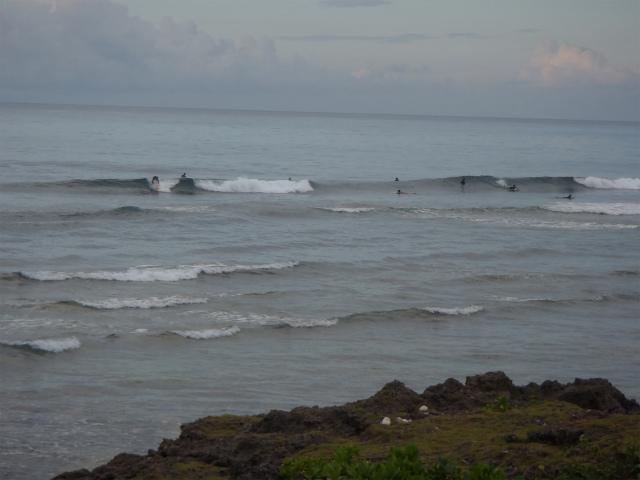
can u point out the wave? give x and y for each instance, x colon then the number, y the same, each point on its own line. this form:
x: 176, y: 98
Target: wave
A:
x: 207, y: 334
x: 47, y: 345
x: 348, y: 209
x: 468, y: 310
x: 616, y: 184
x: 151, y: 302
x: 146, y: 273
x: 601, y: 208
x: 253, y: 185
x: 269, y: 320
x: 528, y: 217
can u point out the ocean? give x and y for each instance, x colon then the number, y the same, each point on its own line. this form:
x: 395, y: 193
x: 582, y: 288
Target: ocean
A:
x: 286, y: 270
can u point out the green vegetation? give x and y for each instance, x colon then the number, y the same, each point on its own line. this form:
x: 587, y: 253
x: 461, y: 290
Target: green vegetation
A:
x: 405, y: 464
x: 402, y: 464
x: 501, y: 405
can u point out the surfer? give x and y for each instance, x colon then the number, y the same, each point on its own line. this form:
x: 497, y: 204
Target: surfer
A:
x: 400, y: 192
x: 569, y: 197
x: 513, y: 188
x: 155, y: 180
x: 463, y: 182
x: 184, y: 175
x: 397, y: 180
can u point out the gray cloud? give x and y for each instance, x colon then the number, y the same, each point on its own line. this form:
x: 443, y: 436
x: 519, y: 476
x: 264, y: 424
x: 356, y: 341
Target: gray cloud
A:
x: 94, y: 52
x: 407, y: 38
x: 95, y: 44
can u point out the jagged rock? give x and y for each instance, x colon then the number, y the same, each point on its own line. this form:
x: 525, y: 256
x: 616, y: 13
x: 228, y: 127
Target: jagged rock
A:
x: 257, y: 448
x: 393, y: 398
x: 556, y: 435
x: 597, y: 394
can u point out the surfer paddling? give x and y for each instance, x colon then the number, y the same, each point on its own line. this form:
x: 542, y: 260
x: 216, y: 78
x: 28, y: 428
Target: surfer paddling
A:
x: 400, y: 192
x: 513, y: 188
x: 570, y: 197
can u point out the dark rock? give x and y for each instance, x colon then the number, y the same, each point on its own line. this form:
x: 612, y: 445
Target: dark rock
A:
x: 256, y: 449
x: 393, y: 398
x: 340, y: 421
x: 444, y: 394
x: 597, y: 394
x: 478, y: 391
x: 556, y: 435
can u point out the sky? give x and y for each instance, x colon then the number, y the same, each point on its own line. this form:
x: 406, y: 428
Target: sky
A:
x: 550, y: 59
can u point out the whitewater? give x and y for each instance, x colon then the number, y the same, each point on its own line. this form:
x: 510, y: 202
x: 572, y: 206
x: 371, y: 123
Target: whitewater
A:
x: 285, y: 269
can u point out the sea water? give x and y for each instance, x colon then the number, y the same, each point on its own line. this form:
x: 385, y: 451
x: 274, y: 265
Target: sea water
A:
x: 285, y: 269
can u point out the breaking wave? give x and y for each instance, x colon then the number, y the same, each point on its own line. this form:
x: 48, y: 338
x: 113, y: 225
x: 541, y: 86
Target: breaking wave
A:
x: 151, y: 302
x: 617, y: 184
x: 253, y: 185
x: 455, y: 310
x: 147, y: 273
x: 207, y: 334
x: 47, y: 345
x: 348, y: 209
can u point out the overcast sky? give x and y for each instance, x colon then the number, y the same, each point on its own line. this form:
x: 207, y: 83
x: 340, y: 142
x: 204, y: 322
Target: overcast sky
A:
x: 569, y: 59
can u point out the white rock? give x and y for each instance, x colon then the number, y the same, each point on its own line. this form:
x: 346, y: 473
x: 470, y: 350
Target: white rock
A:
x: 424, y: 408
x: 402, y: 420
x: 386, y: 421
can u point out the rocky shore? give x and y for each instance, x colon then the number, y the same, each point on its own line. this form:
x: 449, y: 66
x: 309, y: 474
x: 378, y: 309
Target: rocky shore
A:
x: 537, y: 431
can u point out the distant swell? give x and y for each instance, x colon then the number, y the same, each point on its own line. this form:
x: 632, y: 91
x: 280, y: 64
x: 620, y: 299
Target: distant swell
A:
x: 617, y: 184
x: 47, y: 345
x: 156, y: 274
x: 601, y: 208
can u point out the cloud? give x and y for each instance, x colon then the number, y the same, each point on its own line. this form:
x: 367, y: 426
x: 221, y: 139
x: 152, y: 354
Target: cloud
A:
x: 71, y: 45
x: 392, y: 74
x: 552, y: 64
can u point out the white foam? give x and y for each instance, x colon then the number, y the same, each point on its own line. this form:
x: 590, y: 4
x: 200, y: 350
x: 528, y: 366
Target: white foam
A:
x: 165, y: 186
x: 617, y: 184
x: 207, y: 334
x: 270, y: 320
x: 456, y: 310
x: 254, y: 185
x: 149, y: 273
x: 49, y: 345
x: 502, y: 183
x: 309, y: 323
x: 349, y: 209
x: 602, y: 208
x: 151, y: 302
x: 192, y: 209
x: 524, y: 300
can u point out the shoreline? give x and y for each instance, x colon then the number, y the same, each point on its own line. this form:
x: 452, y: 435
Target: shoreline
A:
x: 551, y: 427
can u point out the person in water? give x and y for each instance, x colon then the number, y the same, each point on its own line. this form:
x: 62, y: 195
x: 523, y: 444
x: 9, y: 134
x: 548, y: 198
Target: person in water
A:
x: 569, y: 197
x: 513, y: 188
x: 184, y: 175
x: 401, y: 192
x: 397, y: 180
x: 463, y: 182
x: 155, y: 179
